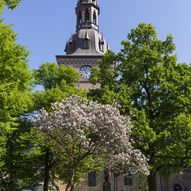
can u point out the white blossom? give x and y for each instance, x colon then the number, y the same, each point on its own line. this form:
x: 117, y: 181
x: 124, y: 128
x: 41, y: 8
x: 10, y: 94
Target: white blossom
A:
x: 94, y: 128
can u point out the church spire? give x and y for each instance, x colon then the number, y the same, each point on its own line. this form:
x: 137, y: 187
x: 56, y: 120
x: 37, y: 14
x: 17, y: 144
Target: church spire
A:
x: 86, y: 47
x: 87, y: 12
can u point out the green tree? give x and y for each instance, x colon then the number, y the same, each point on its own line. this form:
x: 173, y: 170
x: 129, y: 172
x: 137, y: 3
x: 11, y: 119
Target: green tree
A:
x: 158, y: 94
x: 58, y: 82
x: 22, y: 159
x: 50, y: 75
x: 15, y: 97
x: 15, y: 100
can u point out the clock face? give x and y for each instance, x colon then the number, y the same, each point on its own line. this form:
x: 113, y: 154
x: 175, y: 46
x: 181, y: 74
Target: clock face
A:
x: 85, y: 72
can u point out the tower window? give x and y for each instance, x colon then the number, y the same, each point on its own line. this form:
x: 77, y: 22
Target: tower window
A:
x: 80, y: 17
x: 94, y: 1
x: 86, y: 43
x: 128, y: 180
x: 101, y: 45
x: 92, y: 179
x: 71, y: 44
x: 86, y: 40
x: 87, y: 16
x: 94, y: 18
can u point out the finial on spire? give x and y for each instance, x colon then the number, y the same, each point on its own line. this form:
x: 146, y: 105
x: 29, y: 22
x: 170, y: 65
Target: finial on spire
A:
x: 88, y: 1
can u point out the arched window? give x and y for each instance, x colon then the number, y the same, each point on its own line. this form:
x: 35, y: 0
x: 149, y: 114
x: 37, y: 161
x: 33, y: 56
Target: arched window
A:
x: 87, y: 16
x: 86, y: 43
x: 177, y: 187
x: 80, y: 17
x: 86, y: 40
x: 92, y: 179
x: 128, y: 180
x: 101, y: 44
x: 71, y: 44
x: 94, y: 18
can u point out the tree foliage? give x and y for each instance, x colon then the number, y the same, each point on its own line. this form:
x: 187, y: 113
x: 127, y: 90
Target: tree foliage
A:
x: 158, y: 97
x: 50, y: 75
x: 11, y: 4
x: 59, y: 82
x: 15, y: 99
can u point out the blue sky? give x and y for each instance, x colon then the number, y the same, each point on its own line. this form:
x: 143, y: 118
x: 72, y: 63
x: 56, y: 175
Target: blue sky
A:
x: 44, y: 26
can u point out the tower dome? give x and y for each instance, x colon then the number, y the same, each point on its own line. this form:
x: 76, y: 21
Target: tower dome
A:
x: 87, y: 40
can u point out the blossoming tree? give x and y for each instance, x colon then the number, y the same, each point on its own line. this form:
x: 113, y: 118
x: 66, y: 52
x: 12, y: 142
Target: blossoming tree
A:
x: 90, y: 136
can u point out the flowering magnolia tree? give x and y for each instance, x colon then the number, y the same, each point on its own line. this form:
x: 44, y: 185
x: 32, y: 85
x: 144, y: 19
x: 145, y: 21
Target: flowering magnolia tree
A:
x: 91, y: 136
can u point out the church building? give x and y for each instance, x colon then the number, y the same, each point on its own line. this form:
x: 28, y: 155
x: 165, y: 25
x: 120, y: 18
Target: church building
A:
x: 84, y: 49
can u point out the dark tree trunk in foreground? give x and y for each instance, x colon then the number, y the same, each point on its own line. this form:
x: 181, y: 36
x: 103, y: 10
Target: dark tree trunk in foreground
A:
x: 152, y: 181
x: 46, y: 181
x: 46, y: 172
x: 10, y: 163
x: 11, y: 186
x: 71, y: 184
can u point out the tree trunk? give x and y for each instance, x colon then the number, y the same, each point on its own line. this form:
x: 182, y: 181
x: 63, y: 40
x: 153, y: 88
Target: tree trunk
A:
x: 70, y: 184
x: 46, y: 180
x: 68, y: 187
x: 46, y: 173
x: 152, y: 181
x: 11, y: 186
x: 10, y: 164
x: 57, y: 187
x: 72, y: 188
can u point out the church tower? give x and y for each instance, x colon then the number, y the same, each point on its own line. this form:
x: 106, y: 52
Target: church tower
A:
x: 86, y: 46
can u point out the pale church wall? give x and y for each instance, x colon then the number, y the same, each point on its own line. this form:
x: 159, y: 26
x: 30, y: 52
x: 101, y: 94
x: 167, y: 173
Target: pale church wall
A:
x: 117, y: 184
x: 182, y: 179
x: 99, y: 184
x: 122, y: 187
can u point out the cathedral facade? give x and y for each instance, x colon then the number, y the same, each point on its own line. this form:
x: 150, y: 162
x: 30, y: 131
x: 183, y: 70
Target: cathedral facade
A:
x: 84, y: 49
